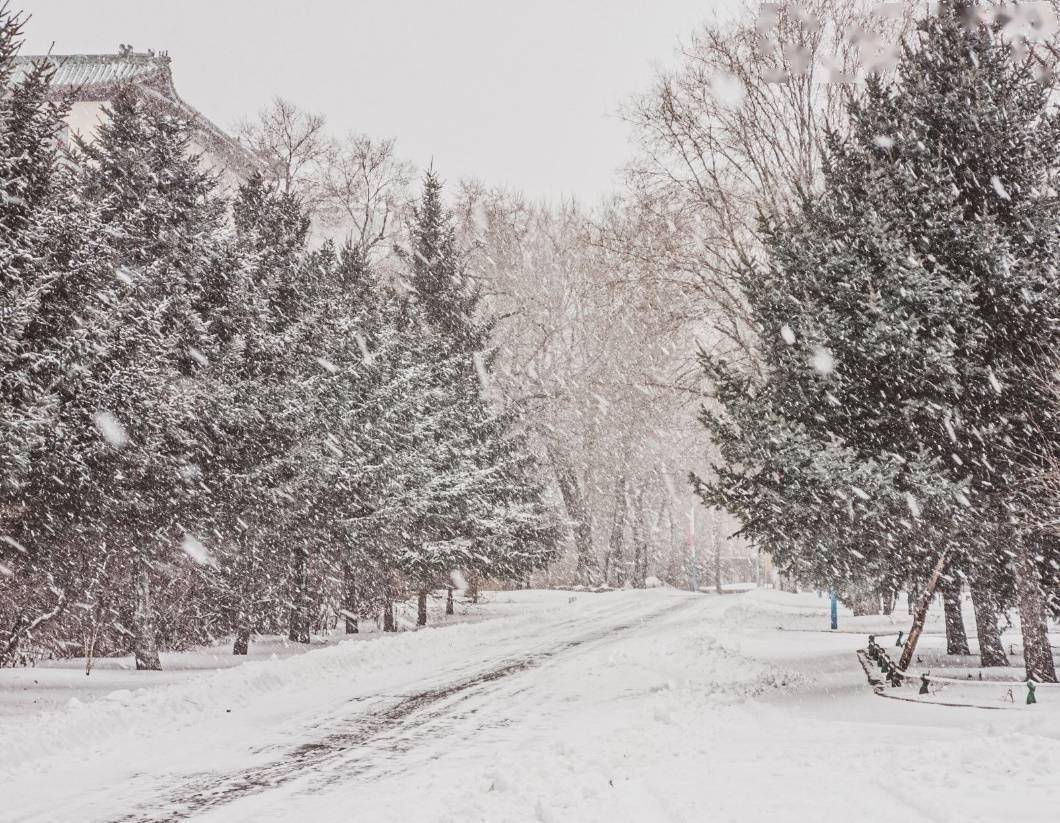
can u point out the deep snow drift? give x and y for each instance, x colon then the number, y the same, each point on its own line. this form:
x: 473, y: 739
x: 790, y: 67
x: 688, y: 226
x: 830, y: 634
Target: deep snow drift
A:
x: 639, y: 706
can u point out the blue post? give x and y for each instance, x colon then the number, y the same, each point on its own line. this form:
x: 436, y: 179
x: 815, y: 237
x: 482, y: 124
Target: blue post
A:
x: 835, y: 611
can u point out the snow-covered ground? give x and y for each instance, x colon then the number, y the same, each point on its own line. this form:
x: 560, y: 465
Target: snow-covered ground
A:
x: 634, y: 705
x: 53, y: 684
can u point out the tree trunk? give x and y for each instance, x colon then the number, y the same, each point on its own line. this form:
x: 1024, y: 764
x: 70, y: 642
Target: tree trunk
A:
x: 1037, y: 654
x: 449, y: 600
x: 578, y: 511
x: 716, y: 539
x: 471, y: 593
x: 350, y: 605
x: 991, y: 650
x: 421, y: 608
x: 615, y: 572
x: 388, y: 616
x: 640, y: 540
x: 956, y: 637
x: 145, y: 646
x: 887, y: 597
x: 920, y: 613
x: 242, y: 644
x: 299, y: 620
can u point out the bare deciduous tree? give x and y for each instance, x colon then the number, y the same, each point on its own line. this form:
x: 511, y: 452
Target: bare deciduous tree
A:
x: 594, y: 353
x: 737, y: 130
x: 363, y: 190
x: 292, y: 144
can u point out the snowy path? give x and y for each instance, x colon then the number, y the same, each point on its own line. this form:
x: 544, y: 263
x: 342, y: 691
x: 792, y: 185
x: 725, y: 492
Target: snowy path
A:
x: 638, y: 706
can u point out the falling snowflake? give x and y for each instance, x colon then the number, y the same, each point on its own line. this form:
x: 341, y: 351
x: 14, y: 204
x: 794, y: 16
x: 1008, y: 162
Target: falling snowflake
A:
x: 480, y: 369
x: 787, y: 334
x: 822, y: 361
x: 111, y: 429
x: 14, y: 544
x: 362, y: 344
x: 727, y: 89
x: 194, y: 549
x: 327, y: 365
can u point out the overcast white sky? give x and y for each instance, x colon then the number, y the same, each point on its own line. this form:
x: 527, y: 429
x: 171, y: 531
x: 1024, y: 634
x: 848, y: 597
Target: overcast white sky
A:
x: 517, y: 92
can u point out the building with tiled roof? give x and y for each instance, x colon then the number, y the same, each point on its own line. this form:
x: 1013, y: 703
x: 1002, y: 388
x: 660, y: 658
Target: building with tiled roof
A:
x: 91, y: 81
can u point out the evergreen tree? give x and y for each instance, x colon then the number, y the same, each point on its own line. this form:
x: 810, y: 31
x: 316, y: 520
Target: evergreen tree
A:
x: 37, y: 347
x: 124, y: 469
x: 258, y: 301
x: 492, y: 519
x: 921, y: 283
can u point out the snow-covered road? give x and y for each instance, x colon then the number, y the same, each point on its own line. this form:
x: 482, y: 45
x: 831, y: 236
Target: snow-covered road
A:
x: 638, y: 706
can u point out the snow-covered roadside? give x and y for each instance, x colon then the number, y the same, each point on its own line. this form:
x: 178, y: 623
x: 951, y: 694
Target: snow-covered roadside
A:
x: 52, y: 685
x: 116, y: 699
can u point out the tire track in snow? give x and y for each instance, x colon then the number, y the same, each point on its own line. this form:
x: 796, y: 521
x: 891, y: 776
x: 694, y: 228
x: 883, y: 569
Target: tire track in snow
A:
x: 400, y: 719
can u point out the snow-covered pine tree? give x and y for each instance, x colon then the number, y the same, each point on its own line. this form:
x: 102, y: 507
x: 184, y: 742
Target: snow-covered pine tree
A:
x: 901, y: 314
x: 493, y: 519
x: 35, y: 583
x: 141, y: 409
x: 975, y: 120
x: 261, y: 322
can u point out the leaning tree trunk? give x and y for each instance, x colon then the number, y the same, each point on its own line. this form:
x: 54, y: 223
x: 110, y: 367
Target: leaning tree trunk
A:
x: 956, y: 636
x: 920, y: 613
x: 449, y: 600
x: 991, y: 650
x: 145, y: 646
x: 349, y: 597
x: 1037, y: 654
x: 421, y: 608
x: 614, y: 568
x: 299, y: 628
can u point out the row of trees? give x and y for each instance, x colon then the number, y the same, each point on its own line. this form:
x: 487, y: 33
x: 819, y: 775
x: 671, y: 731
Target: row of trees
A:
x: 885, y: 402
x: 577, y: 293
x: 598, y: 353
x: 212, y: 426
